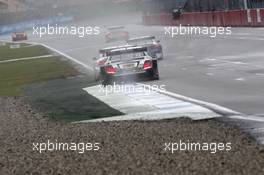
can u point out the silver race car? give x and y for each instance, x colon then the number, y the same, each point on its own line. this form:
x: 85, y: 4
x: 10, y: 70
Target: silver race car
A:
x: 127, y: 61
x: 153, y: 45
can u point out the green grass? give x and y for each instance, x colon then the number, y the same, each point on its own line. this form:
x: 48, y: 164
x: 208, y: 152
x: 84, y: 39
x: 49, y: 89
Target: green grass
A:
x: 44, y: 84
x: 24, y: 51
x: 14, y: 75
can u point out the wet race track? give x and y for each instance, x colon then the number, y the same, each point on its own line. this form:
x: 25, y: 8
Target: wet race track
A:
x: 225, y: 70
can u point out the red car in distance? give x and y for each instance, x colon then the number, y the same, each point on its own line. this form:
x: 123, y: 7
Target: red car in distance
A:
x: 117, y: 33
x: 19, y: 36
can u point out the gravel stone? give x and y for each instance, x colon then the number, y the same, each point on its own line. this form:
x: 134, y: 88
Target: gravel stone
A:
x: 125, y: 147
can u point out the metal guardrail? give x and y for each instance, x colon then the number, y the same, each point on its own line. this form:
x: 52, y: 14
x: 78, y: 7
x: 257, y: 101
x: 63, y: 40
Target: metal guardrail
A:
x: 4, y: 29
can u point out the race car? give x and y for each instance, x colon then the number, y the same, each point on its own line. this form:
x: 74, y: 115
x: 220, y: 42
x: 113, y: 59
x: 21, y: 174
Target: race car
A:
x: 117, y: 33
x: 154, y: 46
x: 19, y: 36
x: 127, y: 61
x: 103, y: 53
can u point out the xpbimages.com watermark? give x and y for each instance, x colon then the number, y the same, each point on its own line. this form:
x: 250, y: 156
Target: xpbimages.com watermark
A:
x: 212, y: 32
x: 50, y: 146
x: 128, y: 88
x: 79, y: 31
x: 213, y: 148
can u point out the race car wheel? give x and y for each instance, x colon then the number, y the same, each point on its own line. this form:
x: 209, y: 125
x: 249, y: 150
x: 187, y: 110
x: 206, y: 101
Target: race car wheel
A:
x: 106, y: 79
x: 154, y: 72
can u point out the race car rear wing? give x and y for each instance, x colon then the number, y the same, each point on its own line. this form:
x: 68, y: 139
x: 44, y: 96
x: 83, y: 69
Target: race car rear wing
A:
x: 128, y: 50
x: 109, y: 49
x: 140, y: 39
x: 116, y: 27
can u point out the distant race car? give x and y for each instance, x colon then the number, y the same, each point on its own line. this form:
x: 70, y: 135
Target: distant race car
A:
x: 117, y: 33
x: 19, y: 36
x: 127, y: 61
x: 153, y: 45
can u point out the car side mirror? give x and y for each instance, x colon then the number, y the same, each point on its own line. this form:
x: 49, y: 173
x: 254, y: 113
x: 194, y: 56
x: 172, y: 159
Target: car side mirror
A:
x: 158, y: 41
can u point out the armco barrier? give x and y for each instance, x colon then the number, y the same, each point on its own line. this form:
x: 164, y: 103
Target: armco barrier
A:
x: 234, y: 18
x: 30, y: 24
x: 253, y: 14
x: 257, y: 17
x: 262, y: 16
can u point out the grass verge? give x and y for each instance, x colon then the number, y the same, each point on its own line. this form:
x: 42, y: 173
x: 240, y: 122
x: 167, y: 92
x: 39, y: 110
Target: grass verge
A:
x: 50, y: 85
x: 24, y: 51
x: 14, y: 75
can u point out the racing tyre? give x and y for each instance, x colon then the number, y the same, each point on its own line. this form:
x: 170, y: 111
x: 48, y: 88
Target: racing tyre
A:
x: 154, y: 72
x: 106, y: 80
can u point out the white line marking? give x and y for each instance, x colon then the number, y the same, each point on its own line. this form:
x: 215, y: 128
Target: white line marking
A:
x: 152, y: 106
x: 250, y: 118
x: 207, y: 105
x: 240, y: 79
x: 55, y: 50
x: 28, y: 58
x: 30, y: 45
x: 210, y: 74
x: 212, y: 106
x: 209, y: 59
x: 69, y: 57
x: 5, y: 41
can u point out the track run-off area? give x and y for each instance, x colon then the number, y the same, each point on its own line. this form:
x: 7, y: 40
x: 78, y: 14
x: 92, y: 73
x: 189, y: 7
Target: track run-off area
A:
x: 225, y: 70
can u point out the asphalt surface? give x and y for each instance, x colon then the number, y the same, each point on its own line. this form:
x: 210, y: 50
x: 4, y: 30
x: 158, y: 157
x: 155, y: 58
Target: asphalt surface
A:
x: 226, y: 70
x: 124, y: 147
